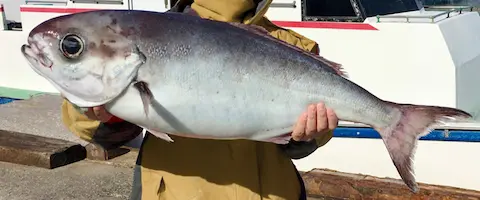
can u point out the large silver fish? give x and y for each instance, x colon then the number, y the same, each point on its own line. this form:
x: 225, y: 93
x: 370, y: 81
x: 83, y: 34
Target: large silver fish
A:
x: 179, y: 74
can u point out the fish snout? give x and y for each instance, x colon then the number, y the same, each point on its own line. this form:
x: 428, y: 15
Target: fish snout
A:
x: 32, y: 52
x: 27, y: 50
x: 24, y: 48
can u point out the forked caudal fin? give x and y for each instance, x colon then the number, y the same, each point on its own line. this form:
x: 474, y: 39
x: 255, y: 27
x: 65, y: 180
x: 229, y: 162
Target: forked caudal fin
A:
x: 401, y: 136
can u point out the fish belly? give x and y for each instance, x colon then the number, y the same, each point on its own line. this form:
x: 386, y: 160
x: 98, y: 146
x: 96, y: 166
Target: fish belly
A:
x: 223, y: 105
x: 210, y: 111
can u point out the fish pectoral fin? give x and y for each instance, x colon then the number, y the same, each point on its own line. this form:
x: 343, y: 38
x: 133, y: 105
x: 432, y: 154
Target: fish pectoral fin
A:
x: 145, y: 94
x: 161, y: 135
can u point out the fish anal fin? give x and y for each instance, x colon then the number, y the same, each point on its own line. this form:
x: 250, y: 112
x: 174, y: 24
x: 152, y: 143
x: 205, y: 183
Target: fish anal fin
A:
x: 276, y: 135
x: 401, y: 136
x: 260, y: 31
x: 281, y: 139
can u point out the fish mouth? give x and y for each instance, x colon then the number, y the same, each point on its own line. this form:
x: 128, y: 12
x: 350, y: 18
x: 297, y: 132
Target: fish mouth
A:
x: 32, y: 52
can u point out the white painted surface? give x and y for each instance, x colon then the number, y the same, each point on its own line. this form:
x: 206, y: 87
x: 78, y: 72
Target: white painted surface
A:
x: 15, y: 71
x: 11, y: 9
x: 442, y: 163
x: 463, y: 42
x: 421, y: 63
x: 394, y: 62
x: 285, y: 14
x: 151, y: 5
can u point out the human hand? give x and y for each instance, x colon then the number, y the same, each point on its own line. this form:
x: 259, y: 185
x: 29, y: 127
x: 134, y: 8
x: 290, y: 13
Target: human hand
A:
x: 317, y: 120
x: 98, y: 113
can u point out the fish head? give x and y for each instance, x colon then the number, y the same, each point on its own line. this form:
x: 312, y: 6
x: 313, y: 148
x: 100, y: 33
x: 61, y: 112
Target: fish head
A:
x: 85, y: 56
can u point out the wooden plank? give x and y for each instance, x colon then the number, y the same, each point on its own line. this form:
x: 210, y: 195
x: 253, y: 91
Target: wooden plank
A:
x: 33, y: 150
x: 96, y: 152
x: 331, y: 184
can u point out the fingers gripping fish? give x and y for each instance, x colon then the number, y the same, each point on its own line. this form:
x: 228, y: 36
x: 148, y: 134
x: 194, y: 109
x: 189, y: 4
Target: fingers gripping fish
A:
x: 177, y: 74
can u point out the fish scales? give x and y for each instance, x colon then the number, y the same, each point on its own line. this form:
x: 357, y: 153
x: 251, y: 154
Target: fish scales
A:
x: 278, y: 67
x: 179, y: 74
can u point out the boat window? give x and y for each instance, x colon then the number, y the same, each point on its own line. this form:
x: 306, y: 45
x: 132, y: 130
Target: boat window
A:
x: 327, y: 8
x: 384, y: 7
x: 330, y: 10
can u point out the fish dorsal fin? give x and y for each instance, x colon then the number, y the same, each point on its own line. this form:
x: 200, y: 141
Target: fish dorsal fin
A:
x: 336, y: 67
x: 251, y: 27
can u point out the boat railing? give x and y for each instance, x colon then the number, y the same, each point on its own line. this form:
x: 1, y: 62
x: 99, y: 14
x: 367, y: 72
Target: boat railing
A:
x: 450, y: 7
x: 47, y: 2
x: 118, y: 2
x: 292, y: 4
x: 447, y: 13
x: 65, y: 2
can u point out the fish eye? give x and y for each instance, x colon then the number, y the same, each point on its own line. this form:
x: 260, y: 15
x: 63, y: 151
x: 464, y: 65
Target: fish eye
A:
x: 71, y: 46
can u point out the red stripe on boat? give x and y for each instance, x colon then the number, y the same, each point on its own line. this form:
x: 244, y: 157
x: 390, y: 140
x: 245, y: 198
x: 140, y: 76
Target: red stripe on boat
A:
x: 55, y: 10
x: 327, y: 25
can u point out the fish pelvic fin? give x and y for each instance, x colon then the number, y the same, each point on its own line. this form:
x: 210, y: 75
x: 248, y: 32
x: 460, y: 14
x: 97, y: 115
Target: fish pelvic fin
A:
x: 145, y: 94
x: 401, y: 136
x: 260, y: 31
x: 161, y: 135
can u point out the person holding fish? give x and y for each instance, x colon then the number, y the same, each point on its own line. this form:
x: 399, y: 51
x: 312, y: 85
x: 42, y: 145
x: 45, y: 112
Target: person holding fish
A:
x: 214, y: 169
x: 241, y: 87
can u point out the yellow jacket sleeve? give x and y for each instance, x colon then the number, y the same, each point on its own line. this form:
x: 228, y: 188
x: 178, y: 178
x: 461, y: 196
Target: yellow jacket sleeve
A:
x: 107, y: 135
x: 78, y: 123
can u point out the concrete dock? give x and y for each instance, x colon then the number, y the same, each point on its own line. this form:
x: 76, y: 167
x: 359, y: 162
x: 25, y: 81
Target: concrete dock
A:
x: 83, y: 180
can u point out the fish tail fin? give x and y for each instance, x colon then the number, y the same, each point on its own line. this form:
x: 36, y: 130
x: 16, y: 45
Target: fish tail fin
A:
x: 401, y: 136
